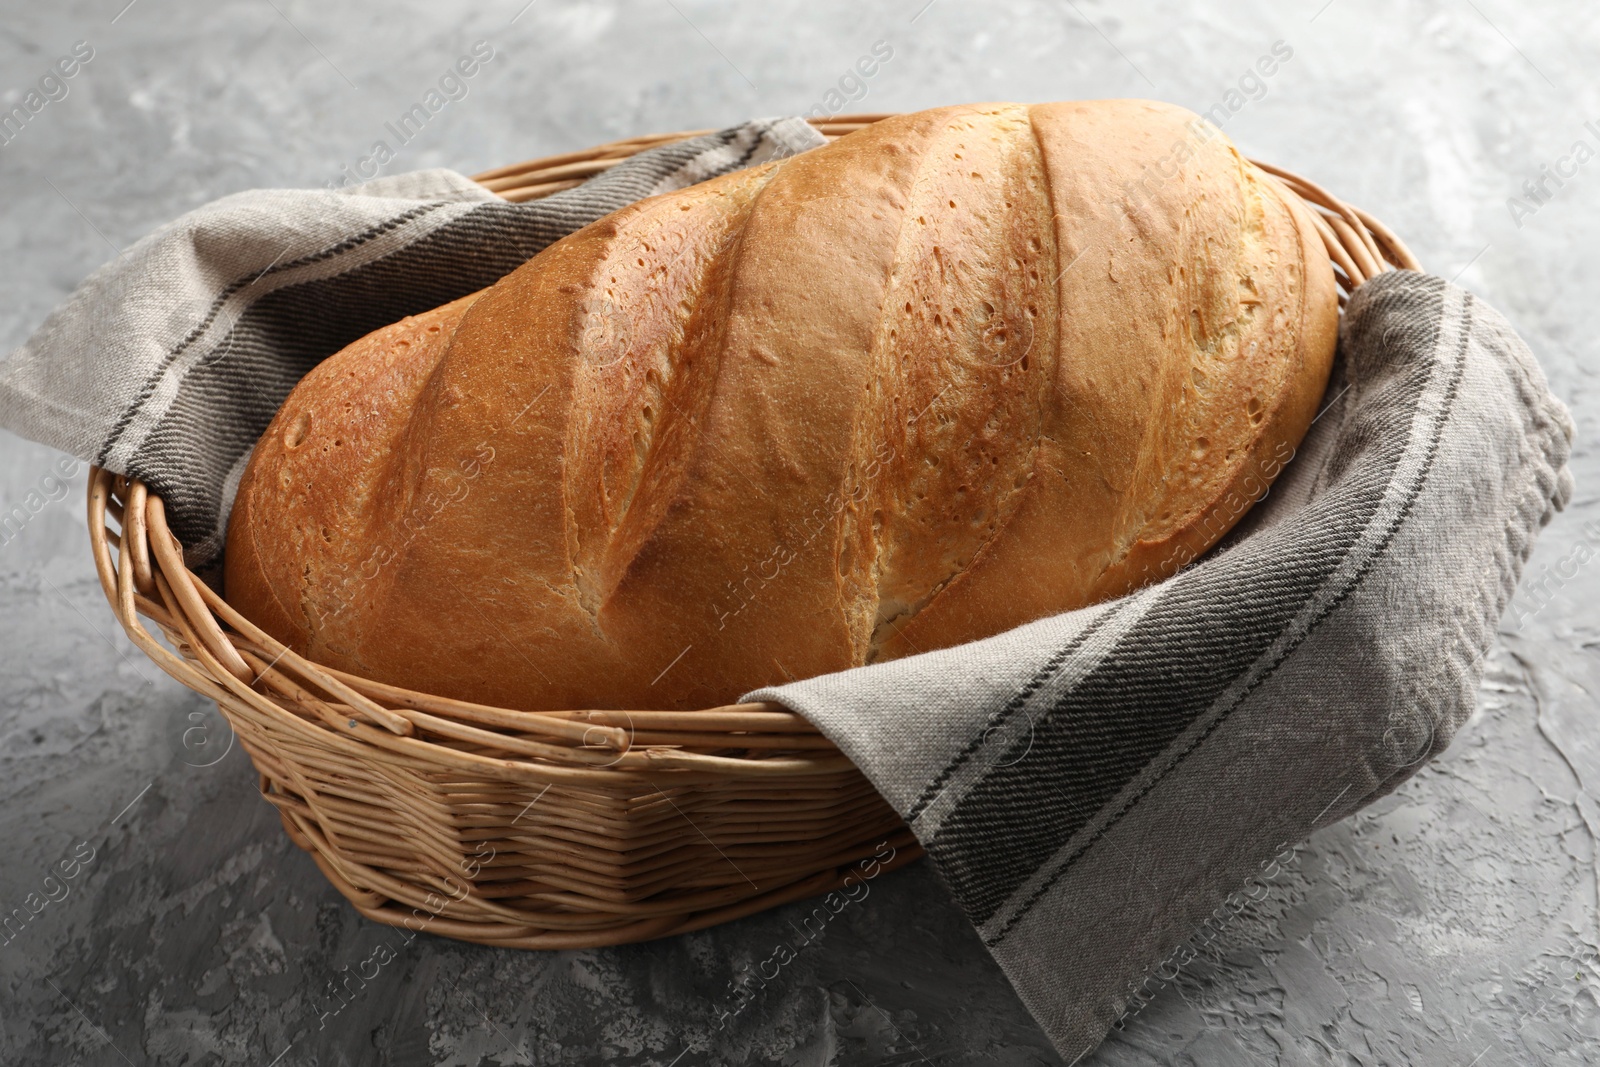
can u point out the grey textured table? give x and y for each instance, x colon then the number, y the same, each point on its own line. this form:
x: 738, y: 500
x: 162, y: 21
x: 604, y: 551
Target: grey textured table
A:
x: 1453, y: 923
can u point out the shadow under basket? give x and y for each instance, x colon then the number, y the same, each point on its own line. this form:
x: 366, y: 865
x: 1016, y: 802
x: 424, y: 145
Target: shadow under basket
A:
x: 556, y: 829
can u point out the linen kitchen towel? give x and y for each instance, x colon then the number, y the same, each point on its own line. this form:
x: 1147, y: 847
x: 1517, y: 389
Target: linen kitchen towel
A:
x: 1091, y: 786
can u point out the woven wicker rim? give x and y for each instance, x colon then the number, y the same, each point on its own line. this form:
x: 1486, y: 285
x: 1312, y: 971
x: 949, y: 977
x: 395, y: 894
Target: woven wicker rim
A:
x: 393, y: 791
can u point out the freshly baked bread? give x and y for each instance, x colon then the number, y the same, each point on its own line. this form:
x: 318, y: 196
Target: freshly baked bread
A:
x: 954, y: 372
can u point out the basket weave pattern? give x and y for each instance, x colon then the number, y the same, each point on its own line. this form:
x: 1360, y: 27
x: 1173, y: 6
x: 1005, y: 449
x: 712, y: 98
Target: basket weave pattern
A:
x: 557, y: 829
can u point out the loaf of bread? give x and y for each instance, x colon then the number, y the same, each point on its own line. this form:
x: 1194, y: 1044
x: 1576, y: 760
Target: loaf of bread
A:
x: 954, y: 372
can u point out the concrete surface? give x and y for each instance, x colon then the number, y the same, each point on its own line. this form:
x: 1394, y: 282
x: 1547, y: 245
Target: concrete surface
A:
x: 1454, y: 923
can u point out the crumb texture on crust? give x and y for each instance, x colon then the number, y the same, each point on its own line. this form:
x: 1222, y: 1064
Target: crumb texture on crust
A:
x: 956, y: 371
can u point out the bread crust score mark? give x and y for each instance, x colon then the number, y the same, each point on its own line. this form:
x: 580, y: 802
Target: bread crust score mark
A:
x: 956, y: 371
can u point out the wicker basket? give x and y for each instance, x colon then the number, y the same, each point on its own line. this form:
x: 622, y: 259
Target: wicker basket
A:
x: 559, y: 829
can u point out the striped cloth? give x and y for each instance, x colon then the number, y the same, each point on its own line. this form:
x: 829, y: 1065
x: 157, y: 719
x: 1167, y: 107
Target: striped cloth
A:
x: 169, y: 361
x: 1093, y: 786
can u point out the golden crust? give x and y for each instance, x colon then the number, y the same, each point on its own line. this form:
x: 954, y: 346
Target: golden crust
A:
x: 959, y: 370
